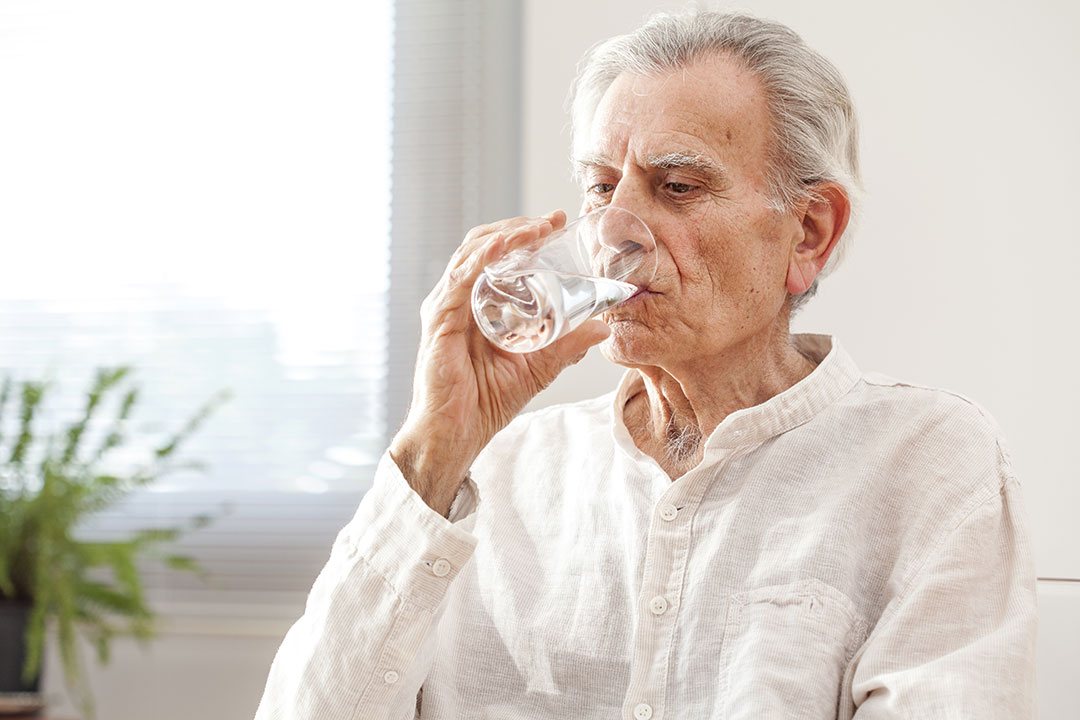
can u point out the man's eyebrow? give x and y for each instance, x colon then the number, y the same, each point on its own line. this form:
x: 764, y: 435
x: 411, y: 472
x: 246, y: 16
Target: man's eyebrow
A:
x: 589, y: 160
x: 696, y: 162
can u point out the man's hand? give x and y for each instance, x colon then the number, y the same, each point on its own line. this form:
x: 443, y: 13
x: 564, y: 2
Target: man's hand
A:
x: 466, y: 389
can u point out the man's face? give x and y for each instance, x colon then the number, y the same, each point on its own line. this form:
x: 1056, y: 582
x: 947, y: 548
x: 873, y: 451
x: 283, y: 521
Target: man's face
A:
x: 687, y: 152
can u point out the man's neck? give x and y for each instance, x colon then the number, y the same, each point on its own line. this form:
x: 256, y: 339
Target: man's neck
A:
x: 670, y: 412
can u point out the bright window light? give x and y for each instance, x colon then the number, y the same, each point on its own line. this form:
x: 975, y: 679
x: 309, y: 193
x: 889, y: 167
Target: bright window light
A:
x: 202, y: 189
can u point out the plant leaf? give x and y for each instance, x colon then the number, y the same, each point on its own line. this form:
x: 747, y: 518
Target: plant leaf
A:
x: 183, y: 562
x: 32, y: 393
x: 193, y: 424
x: 115, y: 437
x: 5, y: 391
x: 105, y: 379
x: 74, y: 585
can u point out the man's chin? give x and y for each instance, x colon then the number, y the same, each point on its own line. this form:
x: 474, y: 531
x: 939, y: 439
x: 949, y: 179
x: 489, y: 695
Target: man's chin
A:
x: 630, y: 344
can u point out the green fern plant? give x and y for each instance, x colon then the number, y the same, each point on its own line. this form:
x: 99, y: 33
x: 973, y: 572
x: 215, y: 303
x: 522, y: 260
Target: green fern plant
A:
x: 49, y: 486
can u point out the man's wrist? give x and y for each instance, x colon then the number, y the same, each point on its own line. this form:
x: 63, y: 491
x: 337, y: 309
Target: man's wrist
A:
x: 431, y: 471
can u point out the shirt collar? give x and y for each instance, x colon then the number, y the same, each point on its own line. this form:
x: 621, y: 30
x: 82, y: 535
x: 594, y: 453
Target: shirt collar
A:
x: 834, y: 376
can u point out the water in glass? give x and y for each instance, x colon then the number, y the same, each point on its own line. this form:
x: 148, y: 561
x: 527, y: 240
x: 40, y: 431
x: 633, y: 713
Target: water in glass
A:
x: 522, y: 312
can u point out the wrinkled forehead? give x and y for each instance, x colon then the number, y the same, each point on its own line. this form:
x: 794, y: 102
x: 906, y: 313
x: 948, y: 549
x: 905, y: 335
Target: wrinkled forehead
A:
x: 714, y: 109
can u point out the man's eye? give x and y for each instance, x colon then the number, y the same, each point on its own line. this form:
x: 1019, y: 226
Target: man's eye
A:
x: 601, y: 188
x: 679, y: 188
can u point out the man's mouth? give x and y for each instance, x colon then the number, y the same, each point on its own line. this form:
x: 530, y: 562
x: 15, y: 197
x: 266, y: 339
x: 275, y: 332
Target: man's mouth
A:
x: 640, y: 295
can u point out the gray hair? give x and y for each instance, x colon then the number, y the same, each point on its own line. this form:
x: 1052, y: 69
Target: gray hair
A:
x: 815, y: 133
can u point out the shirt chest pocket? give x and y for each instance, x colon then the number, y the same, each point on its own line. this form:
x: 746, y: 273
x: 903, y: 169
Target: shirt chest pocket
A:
x: 785, y: 651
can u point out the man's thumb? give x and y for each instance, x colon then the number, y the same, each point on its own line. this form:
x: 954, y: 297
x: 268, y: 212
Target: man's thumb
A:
x: 572, y: 347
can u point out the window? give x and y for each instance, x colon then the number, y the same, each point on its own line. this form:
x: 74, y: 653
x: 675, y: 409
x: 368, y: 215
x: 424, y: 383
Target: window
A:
x: 202, y: 190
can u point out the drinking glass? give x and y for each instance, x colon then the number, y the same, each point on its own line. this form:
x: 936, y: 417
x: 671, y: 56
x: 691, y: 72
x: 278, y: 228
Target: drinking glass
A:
x: 532, y: 296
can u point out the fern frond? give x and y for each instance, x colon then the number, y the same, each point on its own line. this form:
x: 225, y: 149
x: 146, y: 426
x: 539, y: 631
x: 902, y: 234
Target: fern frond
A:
x: 5, y: 392
x: 99, y: 597
x: 116, y: 436
x: 32, y: 393
x: 72, y: 584
x: 151, y: 536
x: 101, y: 632
x: 120, y: 558
x: 66, y: 636
x: 183, y: 562
x: 193, y: 424
x: 105, y: 379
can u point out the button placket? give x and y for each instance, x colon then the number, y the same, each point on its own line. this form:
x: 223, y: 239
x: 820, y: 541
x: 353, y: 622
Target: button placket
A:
x: 666, y: 555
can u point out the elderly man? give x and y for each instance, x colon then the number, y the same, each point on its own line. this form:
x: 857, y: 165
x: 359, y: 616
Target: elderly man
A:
x: 748, y: 527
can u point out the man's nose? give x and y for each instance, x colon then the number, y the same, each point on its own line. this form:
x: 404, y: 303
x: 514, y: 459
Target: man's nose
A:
x: 625, y: 249
x: 626, y: 246
x: 629, y: 195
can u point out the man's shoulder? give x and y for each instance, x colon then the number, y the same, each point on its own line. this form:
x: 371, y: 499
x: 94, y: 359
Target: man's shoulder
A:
x: 926, y: 400
x: 932, y: 422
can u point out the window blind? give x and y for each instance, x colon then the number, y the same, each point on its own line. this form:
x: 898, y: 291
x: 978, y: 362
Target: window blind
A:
x: 204, y: 191
x: 456, y: 149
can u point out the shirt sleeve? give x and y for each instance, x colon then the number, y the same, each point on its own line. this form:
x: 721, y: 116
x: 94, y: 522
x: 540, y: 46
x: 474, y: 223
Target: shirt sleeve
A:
x: 959, y: 640
x: 364, y: 644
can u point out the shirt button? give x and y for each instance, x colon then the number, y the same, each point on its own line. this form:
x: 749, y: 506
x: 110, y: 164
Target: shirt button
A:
x: 440, y: 568
x: 658, y: 605
x: 668, y: 512
x: 643, y: 711
x: 390, y: 677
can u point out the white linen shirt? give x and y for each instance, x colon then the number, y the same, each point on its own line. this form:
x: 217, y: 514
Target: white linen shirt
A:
x: 855, y: 547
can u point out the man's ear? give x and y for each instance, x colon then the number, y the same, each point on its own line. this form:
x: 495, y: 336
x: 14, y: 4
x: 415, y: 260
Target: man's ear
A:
x: 823, y: 222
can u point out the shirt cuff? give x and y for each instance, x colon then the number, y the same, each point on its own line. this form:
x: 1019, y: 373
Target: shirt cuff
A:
x: 415, y: 549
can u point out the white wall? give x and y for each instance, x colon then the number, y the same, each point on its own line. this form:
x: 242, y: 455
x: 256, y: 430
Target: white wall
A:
x: 963, y: 270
